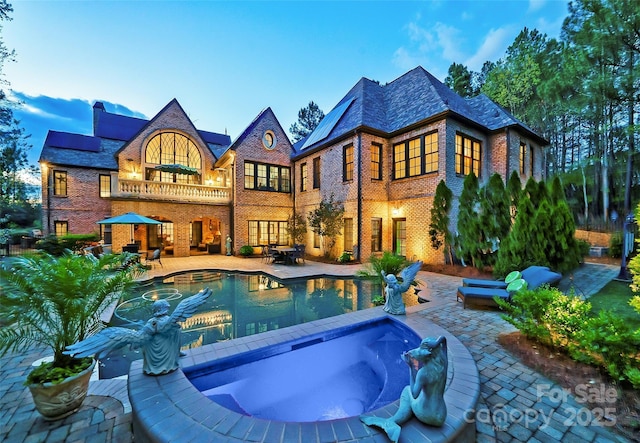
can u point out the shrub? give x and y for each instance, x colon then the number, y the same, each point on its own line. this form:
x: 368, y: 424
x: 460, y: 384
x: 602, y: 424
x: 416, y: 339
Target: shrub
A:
x: 566, y: 322
x: 246, y: 250
x: 345, y: 257
x: 607, y: 340
x: 389, y: 262
x: 546, y: 315
x: 615, y: 245
x: 583, y: 247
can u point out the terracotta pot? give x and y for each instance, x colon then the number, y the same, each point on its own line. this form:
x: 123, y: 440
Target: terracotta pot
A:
x: 63, y: 399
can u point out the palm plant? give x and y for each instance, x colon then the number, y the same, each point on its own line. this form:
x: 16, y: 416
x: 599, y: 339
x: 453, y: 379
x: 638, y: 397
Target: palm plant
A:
x: 57, y: 301
x: 389, y: 262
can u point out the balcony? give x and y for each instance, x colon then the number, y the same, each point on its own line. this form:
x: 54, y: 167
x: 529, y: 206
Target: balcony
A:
x: 181, y: 192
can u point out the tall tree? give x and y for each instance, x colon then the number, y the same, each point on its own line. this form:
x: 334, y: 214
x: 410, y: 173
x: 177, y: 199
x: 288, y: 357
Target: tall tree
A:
x: 606, y: 34
x: 13, y: 140
x: 469, y: 239
x: 495, y: 218
x: 308, y: 119
x: 326, y: 221
x: 459, y: 79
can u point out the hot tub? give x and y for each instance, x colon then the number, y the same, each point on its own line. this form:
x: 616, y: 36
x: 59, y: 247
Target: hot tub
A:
x: 170, y: 408
x: 329, y: 375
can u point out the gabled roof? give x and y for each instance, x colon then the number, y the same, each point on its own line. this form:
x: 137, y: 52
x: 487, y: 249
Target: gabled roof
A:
x: 70, y: 149
x: 249, y: 129
x: 413, y: 98
x: 211, y: 135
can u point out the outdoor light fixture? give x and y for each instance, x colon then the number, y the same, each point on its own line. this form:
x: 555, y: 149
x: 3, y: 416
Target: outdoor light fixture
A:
x: 395, y: 211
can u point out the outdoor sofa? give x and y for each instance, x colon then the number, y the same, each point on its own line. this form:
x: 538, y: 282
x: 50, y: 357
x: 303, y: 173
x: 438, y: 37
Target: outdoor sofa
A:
x: 482, y: 292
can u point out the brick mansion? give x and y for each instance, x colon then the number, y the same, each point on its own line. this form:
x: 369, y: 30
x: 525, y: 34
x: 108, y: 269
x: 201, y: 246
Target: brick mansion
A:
x: 381, y: 152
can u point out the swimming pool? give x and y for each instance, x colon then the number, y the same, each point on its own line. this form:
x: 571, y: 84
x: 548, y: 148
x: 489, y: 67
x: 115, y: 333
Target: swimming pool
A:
x: 240, y: 305
x: 326, y: 376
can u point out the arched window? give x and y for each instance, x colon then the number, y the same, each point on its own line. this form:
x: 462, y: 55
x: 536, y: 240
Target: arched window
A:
x: 171, y: 148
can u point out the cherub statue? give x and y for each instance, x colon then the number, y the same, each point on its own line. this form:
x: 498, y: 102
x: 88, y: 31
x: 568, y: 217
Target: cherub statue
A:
x: 159, y: 338
x: 424, y: 397
x: 394, y: 289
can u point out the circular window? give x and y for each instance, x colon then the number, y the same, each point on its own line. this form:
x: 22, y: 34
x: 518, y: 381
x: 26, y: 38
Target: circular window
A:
x: 269, y: 140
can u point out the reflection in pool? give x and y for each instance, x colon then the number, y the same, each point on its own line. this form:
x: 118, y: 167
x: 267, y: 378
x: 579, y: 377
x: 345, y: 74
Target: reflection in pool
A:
x: 240, y: 305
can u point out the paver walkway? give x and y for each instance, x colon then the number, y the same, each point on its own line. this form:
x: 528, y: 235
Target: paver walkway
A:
x: 512, y: 406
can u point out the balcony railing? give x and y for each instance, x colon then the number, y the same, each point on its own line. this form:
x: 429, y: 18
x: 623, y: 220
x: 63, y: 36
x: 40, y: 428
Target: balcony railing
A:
x: 153, y: 190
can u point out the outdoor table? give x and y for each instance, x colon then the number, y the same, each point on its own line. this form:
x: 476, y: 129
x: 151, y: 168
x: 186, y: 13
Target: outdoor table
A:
x: 286, y: 252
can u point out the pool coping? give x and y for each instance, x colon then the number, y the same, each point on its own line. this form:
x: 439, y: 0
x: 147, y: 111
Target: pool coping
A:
x: 169, y: 408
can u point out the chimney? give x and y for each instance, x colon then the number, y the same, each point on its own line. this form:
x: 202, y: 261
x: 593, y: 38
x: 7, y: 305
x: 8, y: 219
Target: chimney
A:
x: 98, y: 107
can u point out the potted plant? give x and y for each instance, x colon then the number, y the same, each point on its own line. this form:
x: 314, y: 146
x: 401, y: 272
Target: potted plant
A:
x: 246, y: 251
x: 56, y: 302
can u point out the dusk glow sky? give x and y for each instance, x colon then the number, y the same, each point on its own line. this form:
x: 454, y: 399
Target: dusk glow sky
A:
x: 225, y: 61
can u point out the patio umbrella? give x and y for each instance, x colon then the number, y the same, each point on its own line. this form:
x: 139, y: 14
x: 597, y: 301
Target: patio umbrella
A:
x: 177, y: 169
x: 130, y: 218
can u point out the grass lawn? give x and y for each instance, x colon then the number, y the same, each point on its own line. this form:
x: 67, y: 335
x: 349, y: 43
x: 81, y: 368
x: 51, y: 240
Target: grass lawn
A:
x: 615, y: 297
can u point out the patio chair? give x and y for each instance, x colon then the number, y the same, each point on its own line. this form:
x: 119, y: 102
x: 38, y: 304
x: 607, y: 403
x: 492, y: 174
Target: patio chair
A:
x: 155, y: 257
x: 266, y: 255
x: 531, y: 278
x: 535, y: 276
x: 276, y: 256
x: 298, y: 254
x: 295, y: 254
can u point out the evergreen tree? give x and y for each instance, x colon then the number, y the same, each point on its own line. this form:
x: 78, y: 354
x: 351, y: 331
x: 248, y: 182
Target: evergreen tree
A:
x: 469, y: 233
x: 516, y: 251
x: 495, y: 219
x: 459, y: 79
x: 556, y: 193
x: 439, y: 225
x: 308, y: 119
x: 514, y: 189
x: 566, y: 246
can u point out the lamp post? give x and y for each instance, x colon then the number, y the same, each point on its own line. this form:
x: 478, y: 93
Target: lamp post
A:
x: 627, y: 247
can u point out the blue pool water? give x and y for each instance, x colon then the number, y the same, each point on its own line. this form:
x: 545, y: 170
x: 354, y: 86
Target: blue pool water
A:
x: 240, y: 305
x: 336, y: 374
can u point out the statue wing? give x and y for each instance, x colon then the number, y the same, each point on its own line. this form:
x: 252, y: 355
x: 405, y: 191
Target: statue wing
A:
x: 106, y: 341
x: 187, y: 307
x: 408, y: 274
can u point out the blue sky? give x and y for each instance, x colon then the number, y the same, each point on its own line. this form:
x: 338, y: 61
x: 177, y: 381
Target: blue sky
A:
x: 225, y: 61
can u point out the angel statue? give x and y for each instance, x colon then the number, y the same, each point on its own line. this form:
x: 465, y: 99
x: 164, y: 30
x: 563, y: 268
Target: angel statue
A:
x: 159, y: 338
x: 394, y: 289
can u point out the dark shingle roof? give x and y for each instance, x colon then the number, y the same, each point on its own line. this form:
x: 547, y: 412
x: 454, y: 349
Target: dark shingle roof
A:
x: 410, y: 99
x: 63, y: 148
x: 118, y: 127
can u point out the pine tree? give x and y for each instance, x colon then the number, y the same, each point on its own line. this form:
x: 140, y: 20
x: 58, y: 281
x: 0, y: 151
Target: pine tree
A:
x: 556, y: 192
x: 470, y: 234
x: 495, y: 219
x: 516, y: 251
x: 308, y: 119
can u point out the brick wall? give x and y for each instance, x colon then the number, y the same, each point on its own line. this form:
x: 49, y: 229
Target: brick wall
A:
x: 253, y: 204
x: 82, y: 207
